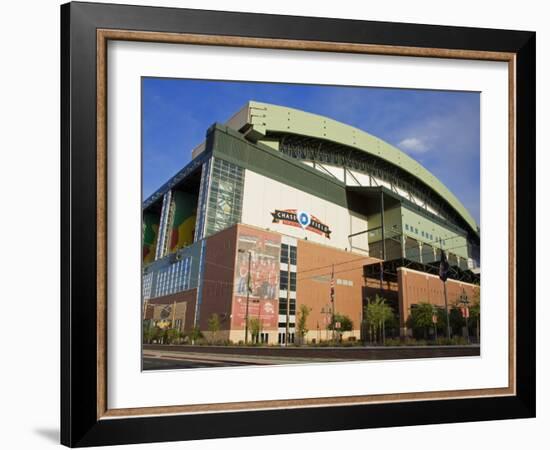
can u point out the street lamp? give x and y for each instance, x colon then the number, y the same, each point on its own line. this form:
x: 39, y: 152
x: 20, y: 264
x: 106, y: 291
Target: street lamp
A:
x: 465, y: 311
x: 443, y: 275
x: 247, y: 295
x: 326, y: 310
x: 434, y: 320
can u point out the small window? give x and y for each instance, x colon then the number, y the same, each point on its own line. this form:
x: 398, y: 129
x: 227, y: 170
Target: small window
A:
x: 292, y: 255
x: 407, y: 226
x: 283, y: 279
x: 293, y: 281
x: 284, y: 253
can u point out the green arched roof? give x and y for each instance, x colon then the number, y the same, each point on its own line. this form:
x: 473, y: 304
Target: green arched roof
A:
x: 264, y: 117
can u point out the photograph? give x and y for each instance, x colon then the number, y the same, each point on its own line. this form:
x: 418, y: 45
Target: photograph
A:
x: 305, y: 223
x: 275, y: 224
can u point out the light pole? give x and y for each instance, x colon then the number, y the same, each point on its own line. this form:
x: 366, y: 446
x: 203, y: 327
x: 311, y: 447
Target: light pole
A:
x: 260, y: 321
x: 247, y: 295
x: 465, y: 311
x: 434, y: 320
x: 326, y: 310
x: 332, y: 295
x: 447, y: 310
x: 443, y: 274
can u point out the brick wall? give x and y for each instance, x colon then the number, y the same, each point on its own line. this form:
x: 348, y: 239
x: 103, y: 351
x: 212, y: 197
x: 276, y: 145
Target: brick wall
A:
x: 314, y: 270
x: 416, y: 287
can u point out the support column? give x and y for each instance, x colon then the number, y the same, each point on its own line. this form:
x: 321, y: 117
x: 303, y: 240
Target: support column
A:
x: 382, y: 224
x: 402, y: 302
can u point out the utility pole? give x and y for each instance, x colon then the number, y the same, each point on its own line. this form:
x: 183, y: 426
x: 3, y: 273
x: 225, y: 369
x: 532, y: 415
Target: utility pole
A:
x: 383, y: 241
x: 247, y: 295
x: 434, y: 320
x: 260, y: 321
x: 326, y: 311
x: 465, y: 311
x: 447, y: 310
x: 443, y: 274
x: 332, y: 295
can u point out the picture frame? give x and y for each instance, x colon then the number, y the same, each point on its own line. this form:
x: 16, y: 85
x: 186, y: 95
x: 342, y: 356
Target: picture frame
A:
x: 86, y: 28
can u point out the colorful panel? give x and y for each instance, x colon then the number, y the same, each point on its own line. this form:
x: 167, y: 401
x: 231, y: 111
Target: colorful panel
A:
x: 150, y: 235
x: 183, y: 225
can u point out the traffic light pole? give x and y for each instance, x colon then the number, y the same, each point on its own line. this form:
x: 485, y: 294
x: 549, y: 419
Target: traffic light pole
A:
x: 447, y: 310
x: 443, y: 274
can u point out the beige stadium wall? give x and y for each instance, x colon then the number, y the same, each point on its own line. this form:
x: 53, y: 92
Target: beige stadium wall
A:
x: 262, y: 196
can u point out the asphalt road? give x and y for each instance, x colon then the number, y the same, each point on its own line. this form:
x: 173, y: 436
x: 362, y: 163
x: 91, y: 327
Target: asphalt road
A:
x: 159, y: 357
x: 347, y: 353
x: 155, y: 363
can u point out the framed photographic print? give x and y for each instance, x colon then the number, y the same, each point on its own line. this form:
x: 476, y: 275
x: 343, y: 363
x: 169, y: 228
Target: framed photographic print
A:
x: 277, y: 224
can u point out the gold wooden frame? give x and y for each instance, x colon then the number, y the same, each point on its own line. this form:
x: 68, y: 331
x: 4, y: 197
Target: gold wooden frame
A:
x: 104, y: 35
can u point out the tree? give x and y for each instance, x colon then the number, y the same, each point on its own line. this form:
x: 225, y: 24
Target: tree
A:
x: 475, y: 311
x: 302, y: 321
x: 377, y: 315
x: 148, y: 333
x: 421, y: 318
x: 456, y: 319
x: 156, y: 335
x: 214, y: 326
x: 171, y: 335
x: 254, y: 325
x: 195, y: 334
x: 345, y: 324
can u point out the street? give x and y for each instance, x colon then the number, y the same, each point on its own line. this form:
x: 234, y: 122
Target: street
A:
x: 163, y: 357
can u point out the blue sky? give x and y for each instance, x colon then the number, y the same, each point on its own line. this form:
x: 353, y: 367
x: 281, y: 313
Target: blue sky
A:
x: 440, y: 129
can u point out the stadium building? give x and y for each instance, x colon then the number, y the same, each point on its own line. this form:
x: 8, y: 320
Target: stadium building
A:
x: 280, y: 208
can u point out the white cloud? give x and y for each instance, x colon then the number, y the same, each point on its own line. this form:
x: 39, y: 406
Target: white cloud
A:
x: 414, y: 145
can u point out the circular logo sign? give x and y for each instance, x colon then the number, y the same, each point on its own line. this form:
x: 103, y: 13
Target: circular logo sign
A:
x: 304, y: 219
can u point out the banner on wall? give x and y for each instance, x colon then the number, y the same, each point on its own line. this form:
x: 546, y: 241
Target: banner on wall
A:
x: 261, y: 285
x: 301, y: 219
x: 185, y: 216
x: 150, y: 226
x: 266, y: 311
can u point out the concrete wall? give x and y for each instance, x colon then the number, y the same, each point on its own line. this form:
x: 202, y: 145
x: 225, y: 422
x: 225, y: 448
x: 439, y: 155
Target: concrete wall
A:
x: 262, y: 196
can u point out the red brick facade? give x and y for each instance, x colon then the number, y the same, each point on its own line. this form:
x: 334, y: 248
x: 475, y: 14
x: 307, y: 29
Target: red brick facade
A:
x: 314, y: 271
x: 416, y: 287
